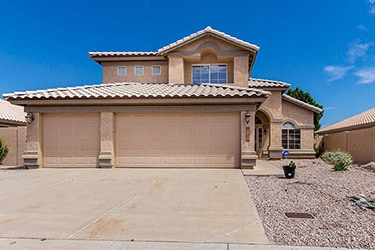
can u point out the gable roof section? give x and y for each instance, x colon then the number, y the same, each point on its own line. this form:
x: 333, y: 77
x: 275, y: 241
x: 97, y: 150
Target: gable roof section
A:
x: 130, y: 90
x: 265, y: 84
x: 301, y: 104
x: 11, y: 114
x: 364, y: 119
x: 209, y: 31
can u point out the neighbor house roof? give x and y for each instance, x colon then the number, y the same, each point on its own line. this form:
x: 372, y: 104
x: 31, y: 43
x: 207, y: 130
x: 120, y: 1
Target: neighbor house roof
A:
x: 263, y: 83
x: 301, y: 104
x: 364, y: 119
x: 138, y: 90
x: 11, y: 114
x: 208, y: 31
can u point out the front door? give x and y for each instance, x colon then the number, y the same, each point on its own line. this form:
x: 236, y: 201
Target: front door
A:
x: 259, y: 140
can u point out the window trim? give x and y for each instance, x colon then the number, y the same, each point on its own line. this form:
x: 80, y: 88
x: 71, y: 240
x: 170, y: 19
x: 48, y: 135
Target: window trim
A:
x: 209, y: 71
x: 288, y: 141
x: 139, y: 66
x: 152, y: 70
x: 118, y: 72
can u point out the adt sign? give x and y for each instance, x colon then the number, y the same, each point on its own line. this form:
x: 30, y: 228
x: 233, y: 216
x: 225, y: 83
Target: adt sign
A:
x: 286, y: 153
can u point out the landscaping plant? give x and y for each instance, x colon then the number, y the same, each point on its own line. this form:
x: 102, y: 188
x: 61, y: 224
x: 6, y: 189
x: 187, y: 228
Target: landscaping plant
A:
x: 3, y: 151
x: 340, y: 160
x: 340, y: 166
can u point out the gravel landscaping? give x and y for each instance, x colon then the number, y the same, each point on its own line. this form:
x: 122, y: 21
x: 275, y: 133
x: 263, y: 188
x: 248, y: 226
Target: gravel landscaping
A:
x: 326, y: 195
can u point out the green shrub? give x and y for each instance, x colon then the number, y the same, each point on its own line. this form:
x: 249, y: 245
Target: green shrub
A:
x: 336, y: 157
x: 3, y: 151
x: 318, y: 151
x: 340, y: 166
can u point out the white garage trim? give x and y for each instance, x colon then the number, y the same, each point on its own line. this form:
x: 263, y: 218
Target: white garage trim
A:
x: 178, y: 140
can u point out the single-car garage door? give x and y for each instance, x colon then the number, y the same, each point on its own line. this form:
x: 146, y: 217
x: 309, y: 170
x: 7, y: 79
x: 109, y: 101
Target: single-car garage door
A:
x: 178, y: 140
x: 71, y: 140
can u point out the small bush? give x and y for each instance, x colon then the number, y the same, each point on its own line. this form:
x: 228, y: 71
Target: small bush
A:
x: 3, y: 151
x: 340, y: 166
x: 337, y: 157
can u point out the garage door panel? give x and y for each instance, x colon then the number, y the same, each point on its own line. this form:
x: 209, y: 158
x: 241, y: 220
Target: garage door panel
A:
x: 177, y: 140
x: 71, y: 140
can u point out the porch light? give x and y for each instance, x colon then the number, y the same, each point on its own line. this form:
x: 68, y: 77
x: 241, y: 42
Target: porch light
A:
x: 29, y: 117
x: 247, y: 117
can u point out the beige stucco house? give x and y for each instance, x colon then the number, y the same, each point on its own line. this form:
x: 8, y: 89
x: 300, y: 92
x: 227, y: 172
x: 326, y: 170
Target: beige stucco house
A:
x: 190, y: 104
x: 355, y: 135
x: 13, y: 132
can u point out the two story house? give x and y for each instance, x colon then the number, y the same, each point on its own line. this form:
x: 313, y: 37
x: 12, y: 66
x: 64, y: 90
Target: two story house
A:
x: 190, y: 104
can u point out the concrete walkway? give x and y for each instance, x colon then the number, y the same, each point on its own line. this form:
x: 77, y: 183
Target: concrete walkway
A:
x: 101, y: 206
x: 263, y: 168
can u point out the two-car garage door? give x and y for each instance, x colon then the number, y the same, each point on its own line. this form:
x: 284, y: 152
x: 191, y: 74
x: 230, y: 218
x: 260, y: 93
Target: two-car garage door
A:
x: 177, y: 140
x: 144, y: 140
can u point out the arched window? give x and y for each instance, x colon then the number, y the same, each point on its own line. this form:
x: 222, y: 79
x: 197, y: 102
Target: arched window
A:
x: 291, y: 137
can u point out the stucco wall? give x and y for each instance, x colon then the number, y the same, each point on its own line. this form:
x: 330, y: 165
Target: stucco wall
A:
x: 360, y: 143
x: 209, y: 50
x: 300, y: 115
x: 15, y: 139
x: 110, y: 72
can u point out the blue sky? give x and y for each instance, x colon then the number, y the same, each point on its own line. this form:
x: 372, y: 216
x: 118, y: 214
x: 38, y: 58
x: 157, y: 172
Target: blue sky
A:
x: 324, y: 47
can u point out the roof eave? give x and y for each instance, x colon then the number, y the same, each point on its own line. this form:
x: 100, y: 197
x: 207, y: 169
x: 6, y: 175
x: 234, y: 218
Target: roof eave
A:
x: 344, y: 129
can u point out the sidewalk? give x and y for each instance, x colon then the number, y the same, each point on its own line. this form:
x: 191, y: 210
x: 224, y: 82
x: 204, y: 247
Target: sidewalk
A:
x: 34, y: 244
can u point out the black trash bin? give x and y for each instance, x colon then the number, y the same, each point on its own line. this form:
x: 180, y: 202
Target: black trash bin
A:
x: 289, y: 171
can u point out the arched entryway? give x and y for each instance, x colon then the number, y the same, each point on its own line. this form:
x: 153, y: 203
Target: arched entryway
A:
x: 262, y: 132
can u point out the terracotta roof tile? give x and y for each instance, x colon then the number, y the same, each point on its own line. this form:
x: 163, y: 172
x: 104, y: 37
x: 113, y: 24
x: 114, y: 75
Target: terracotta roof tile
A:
x: 138, y: 90
x: 11, y: 114
x: 122, y: 53
x: 302, y: 104
x: 207, y: 30
x: 364, y: 119
x: 263, y: 83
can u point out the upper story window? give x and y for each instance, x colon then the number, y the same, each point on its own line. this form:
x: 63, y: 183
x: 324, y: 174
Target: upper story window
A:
x: 156, y: 70
x: 121, y: 70
x: 209, y: 73
x: 138, y: 70
x: 291, y: 136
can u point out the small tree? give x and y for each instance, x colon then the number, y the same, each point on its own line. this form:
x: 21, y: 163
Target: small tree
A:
x: 3, y: 151
x: 306, y: 97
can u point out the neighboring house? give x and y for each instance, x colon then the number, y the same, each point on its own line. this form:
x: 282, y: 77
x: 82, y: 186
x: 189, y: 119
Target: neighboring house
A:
x: 13, y: 132
x: 355, y: 135
x: 190, y: 104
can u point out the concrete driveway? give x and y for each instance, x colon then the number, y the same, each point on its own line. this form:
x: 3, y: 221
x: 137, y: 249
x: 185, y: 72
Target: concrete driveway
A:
x: 125, y: 205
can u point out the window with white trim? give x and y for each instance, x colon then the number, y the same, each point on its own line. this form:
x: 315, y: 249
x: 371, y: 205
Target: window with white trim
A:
x: 156, y: 70
x: 291, y: 136
x: 209, y: 73
x: 121, y: 70
x: 138, y: 70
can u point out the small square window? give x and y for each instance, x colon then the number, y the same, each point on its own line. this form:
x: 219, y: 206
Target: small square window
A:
x: 156, y: 70
x: 121, y: 71
x: 138, y: 70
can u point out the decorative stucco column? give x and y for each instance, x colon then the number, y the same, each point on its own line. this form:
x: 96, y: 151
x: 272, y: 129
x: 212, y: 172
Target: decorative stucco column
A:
x: 32, y: 157
x: 106, y: 156
x: 248, y: 154
x: 275, y: 149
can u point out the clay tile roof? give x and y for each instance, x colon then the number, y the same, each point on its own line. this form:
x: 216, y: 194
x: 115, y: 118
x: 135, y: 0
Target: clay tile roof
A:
x: 364, y: 119
x: 11, y: 114
x: 211, y: 31
x: 263, y: 83
x: 122, y: 53
x: 302, y: 104
x: 138, y: 90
